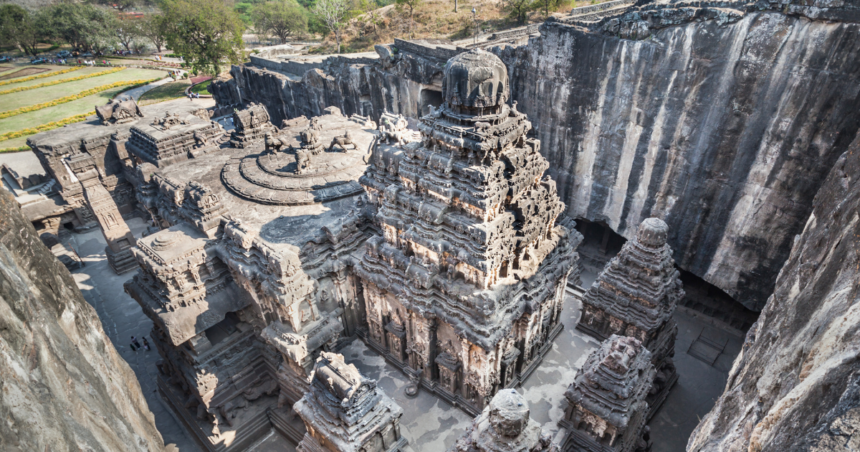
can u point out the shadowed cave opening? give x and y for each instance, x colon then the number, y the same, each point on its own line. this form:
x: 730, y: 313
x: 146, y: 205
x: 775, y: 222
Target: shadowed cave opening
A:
x: 702, y: 299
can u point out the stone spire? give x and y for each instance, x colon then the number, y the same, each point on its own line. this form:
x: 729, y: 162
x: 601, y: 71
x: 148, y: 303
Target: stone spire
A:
x: 345, y: 412
x: 606, y: 402
x: 504, y: 425
x: 636, y: 295
x: 470, y: 245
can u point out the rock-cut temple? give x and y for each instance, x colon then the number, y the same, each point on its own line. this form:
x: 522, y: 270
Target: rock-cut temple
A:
x: 464, y: 287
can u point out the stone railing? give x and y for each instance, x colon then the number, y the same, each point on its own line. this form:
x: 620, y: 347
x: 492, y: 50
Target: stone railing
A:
x: 438, y: 51
x: 590, y: 9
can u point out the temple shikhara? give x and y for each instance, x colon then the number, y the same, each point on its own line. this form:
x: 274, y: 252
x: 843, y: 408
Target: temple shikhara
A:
x: 464, y: 288
x: 606, y: 408
x: 636, y: 295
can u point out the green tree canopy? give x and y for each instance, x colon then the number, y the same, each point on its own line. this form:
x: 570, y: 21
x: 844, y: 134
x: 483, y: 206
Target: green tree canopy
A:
x: 152, y: 28
x: 21, y: 28
x: 83, y: 26
x: 280, y: 18
x: 204, y: 32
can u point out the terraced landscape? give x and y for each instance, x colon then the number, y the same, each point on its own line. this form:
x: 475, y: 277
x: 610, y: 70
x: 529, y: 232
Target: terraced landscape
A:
x: 59, y: 93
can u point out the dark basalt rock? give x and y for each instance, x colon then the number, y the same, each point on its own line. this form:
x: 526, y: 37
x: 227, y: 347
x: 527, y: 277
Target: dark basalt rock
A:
x: 795, y: 386
x: 64, y: 386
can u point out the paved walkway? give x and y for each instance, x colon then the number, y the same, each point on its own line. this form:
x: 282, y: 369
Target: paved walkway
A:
x: 122, y: 318
x: 429, y: 424
x: 135, y: 93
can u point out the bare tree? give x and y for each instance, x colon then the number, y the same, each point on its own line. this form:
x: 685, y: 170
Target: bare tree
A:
x: 411, y: 4
x: 334, y: 13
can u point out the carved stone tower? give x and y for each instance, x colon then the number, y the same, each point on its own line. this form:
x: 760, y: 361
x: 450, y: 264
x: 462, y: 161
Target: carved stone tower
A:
x: 465, y: 286
x: 606, y: 403
x: 345, y: 412
x: 504, y: 425
x: 636, y: 295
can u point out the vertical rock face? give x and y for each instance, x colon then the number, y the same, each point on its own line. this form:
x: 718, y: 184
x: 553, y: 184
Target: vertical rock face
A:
x: 63, y: 385
x: 725, y: 128
x: 795, y: 385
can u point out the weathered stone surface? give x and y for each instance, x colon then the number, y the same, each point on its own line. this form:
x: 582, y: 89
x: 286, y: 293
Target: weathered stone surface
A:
x: 504, y: 426
x: 795, y: 384
x: 724, y: 122
x: 346, y: 412
x: 464, y: 286
x: 64, y: 386
x: 724, y: 130
x: 636, y: 295
x: 606, y: 403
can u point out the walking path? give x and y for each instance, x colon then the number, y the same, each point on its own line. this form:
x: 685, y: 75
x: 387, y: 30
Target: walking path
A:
x: 137, y: 92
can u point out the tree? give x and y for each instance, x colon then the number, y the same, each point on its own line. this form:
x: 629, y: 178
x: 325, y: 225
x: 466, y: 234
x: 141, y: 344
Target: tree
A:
x: 129, y: 30
x: 546, y: 5
x: 411, y: 4
x: 519, y: 9
x: 334, y: 13
x: 152, y: 28
x: 21, y: 28
x: 83, y: 26
x: 204, y: 32
x: 280, y: 18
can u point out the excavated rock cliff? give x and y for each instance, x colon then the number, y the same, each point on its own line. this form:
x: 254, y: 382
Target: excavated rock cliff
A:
x: 63, y: 386
x: 722, y: 119
x: 722, y: 122
x: 796, y: 384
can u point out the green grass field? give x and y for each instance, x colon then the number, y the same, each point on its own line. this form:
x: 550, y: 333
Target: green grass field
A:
x: 48, y: 93
x: 167, y: 91
x: 85, y: 105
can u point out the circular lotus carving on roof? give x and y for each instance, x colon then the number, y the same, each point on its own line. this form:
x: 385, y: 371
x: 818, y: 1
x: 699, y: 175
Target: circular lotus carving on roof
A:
x: 306, y: 164
x: 167, y: 240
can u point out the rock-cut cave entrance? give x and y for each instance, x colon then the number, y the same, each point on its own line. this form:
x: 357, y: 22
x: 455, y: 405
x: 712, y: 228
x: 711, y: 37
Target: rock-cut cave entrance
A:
x: 702, y: 299
x: 427, y: 98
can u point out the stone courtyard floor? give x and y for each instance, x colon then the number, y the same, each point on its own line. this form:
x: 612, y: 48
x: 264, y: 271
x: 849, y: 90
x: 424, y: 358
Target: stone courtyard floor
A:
x: 429, y: 423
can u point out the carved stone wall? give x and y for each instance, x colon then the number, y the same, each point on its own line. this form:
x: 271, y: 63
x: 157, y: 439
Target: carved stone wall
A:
x: 606, y: 409
x: 468, y: 229
x: 346, y: 412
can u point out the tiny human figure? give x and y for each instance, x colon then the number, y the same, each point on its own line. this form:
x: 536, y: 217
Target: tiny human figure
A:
x: 145, y: 344
x: 135, y: 342
x: 132, y: 347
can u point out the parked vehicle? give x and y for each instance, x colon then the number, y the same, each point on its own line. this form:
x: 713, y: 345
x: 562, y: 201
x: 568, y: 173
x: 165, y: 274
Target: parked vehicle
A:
x: 5, y: 59
x: 64, y: 54
x: 38, y: 61
x: 87, y: 54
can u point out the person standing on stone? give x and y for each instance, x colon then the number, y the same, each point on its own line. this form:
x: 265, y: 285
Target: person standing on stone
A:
x: 145, y: 344
x: 135, y: 342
